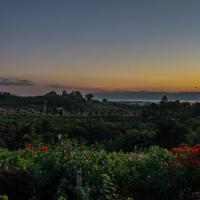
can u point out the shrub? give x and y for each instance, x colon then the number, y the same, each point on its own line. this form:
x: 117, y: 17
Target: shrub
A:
x: 147, y: 175
x: 172, y: 133
x: 132, y: 139
x: 16, y: 184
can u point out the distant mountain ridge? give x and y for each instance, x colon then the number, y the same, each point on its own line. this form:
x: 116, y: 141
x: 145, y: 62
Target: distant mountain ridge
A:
x: 145, y: 96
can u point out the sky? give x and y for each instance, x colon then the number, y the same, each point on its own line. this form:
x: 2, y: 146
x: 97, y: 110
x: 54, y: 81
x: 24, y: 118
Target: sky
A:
x: 99, y: 45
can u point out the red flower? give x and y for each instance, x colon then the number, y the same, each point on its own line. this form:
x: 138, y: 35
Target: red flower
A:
x: 178, y: 150
x: 187, y: 155
x: 44, y: 148
x: 194, y: 150
x: 29, y: 146
x: 174, y: 150
x: 183, y: 145
x: 197, y: 146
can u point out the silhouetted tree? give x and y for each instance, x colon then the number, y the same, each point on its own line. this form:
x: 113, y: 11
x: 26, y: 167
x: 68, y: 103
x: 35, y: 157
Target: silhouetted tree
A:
x: 89, y: 96
x: 104, y: 100
x: 76, y: 94
x: 164, y: 99
x: 64, y: 93
x: 52, y: 93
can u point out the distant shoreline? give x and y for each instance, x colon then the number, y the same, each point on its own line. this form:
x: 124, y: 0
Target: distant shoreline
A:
x: 148, y: 96
x: 142, y: 102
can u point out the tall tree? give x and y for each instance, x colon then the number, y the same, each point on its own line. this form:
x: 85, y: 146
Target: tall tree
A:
x: 89, y: 96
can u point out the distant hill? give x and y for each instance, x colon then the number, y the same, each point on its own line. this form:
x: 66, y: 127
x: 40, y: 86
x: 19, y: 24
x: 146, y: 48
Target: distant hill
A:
x: 147, y: 96
x: 69, y: 101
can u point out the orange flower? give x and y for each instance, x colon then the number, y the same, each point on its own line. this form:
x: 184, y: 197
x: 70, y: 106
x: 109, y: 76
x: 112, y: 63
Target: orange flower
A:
x: 187, y: 155
x: 178, y: 150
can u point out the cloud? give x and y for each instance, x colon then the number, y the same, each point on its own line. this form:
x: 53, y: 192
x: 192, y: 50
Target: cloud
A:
x: 15, y: 82
x: 56, y: 86
x: 71, y: 88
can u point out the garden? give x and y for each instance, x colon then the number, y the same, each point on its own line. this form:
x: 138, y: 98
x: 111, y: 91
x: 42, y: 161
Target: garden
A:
x: 154, y: 156
x: 71, y: 170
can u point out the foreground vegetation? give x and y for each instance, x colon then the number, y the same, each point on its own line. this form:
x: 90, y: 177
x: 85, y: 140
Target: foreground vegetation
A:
x: 73, y: 171
x: 151, y: 155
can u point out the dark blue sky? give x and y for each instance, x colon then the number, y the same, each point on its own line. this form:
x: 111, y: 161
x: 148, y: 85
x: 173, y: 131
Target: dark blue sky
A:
x: 100, y: 44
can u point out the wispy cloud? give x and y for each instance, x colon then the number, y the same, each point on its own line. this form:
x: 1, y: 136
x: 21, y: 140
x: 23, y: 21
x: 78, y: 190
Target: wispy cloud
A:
x: 71, y: 88
x: 15, y: 82
x: 56, y: 86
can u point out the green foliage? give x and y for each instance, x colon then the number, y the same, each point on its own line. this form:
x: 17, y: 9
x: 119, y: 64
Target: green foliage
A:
x: 20, y: 159
x: 3, y: 197
x: 144, y: 175
x: 118, y: 156
x: 172, y: 133
x: 132, y: 139
x: 61, y: 198
x: 107, y: 190
x: 82, y: 193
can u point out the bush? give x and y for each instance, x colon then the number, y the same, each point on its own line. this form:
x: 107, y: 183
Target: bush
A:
x: 105, y: 175
x: 133, y: 139
x: 53, y: 173
x: 16, y: 184
x: 172, y: 133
